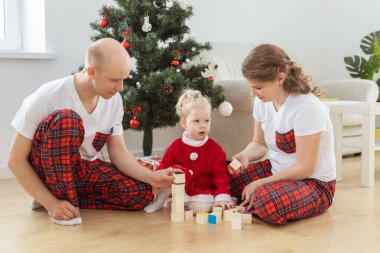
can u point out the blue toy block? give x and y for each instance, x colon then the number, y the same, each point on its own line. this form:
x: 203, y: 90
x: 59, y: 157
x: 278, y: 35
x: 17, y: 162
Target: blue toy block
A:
x: 211, y: 218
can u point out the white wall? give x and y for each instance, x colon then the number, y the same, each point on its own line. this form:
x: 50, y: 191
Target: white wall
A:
x: 319, y: 32
x: 67, y: 34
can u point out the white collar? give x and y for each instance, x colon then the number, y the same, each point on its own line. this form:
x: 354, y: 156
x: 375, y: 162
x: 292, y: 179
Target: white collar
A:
x: 187, y: 140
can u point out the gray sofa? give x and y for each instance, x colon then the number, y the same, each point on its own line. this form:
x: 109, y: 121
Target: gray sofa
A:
x: 234, y: 132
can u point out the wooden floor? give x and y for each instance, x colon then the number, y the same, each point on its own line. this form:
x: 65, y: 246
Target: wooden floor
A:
x: 352, y: 224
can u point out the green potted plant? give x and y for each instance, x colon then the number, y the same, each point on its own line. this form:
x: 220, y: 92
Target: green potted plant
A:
x: 360, y: 67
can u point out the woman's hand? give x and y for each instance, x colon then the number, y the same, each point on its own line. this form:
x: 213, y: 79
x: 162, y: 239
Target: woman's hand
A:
x: 243, y: 159
x: 249, y: 190
x: 224, y: 204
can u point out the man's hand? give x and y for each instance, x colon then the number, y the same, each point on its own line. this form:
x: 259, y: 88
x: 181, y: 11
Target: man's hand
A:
x: 63, y: 210
x: 162, y: 178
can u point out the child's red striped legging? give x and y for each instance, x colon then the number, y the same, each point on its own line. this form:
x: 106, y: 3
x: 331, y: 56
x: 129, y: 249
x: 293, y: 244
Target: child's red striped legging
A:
x: 86, y: 184
x: 282, y: 201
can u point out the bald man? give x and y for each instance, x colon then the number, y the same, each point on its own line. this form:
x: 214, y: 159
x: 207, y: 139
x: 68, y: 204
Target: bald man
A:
x: 62, y: 126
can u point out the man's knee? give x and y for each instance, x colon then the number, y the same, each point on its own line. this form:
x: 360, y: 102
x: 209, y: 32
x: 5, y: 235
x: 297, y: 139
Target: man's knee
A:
x: 136, y: 194
x: 66, y: 114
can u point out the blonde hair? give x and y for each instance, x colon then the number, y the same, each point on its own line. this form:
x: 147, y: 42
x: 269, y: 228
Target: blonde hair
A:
x: 266, y: 61
x: 188, y: 100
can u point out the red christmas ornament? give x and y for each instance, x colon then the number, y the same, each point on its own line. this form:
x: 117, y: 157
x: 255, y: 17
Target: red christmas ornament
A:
x: 174, y: 63
x: 211, y: 78
x: 103, y: 22
x: 125, y: 44
x: 126, y: 34
x: 137, y: 110
x: 134, y: 123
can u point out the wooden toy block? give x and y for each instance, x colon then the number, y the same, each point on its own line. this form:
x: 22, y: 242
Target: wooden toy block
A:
x: 178, y: 199
x: 189, y: 214
x: 246, y: 217
x: 214, y: 218
x: 239, y: 209
x: 202, y: 218
x: 227, y: 215
x: 217, y: 209
x: 178, y: 207
x: 236, y: 220
x: 178, y: 189
x: 177, y: 216
x: 234, y: 166
x: 179, y: 178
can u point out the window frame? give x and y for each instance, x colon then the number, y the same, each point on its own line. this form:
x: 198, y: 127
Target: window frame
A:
x: 12, y: 40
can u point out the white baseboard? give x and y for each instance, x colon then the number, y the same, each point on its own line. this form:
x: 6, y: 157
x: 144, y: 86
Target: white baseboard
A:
x: 5, y: 173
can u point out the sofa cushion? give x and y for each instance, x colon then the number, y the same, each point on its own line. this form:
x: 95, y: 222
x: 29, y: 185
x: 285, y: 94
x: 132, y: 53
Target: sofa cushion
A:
x: 238, y: 94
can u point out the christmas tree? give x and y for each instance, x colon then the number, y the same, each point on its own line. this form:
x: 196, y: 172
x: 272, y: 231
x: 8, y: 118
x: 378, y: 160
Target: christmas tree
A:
x: 155, y: 35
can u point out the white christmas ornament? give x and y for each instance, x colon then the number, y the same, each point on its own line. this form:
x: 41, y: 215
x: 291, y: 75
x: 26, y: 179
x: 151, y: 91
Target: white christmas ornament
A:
x: 187, y: 60
x: 146, y: 26
x: 225, y: 108
x: 130, y: 76
x: 193, y: 156
x: 138, y: 85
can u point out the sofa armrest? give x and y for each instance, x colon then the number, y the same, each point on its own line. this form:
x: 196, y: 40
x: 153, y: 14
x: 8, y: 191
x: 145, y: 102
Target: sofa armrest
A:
x: 351, y: 89
x: 233, y: 133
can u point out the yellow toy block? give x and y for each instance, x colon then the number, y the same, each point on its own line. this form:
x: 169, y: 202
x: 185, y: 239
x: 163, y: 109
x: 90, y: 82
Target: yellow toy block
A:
x: 202, y: 218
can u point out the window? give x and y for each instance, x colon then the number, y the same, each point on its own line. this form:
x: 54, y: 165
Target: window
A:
x: 10, y: 25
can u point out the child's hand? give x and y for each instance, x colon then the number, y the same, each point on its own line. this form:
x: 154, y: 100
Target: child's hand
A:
x: 156, y: 190
x: 224, y: 204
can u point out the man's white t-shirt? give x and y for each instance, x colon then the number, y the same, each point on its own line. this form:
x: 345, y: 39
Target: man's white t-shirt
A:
x: 305, y: 115
x: 61, y: 94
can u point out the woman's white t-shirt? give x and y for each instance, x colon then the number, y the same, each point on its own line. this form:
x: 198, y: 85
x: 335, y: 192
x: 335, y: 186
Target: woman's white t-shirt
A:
x: 61, y: 94
x: 305, y: 115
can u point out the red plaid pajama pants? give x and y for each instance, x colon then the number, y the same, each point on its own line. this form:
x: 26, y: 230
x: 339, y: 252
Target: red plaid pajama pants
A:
x: 86, y: 184
x: 282, y: 201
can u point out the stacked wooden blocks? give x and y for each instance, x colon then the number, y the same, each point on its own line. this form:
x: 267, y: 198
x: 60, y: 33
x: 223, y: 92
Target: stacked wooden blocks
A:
x: 237, y: 216
x: 178, y: 198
